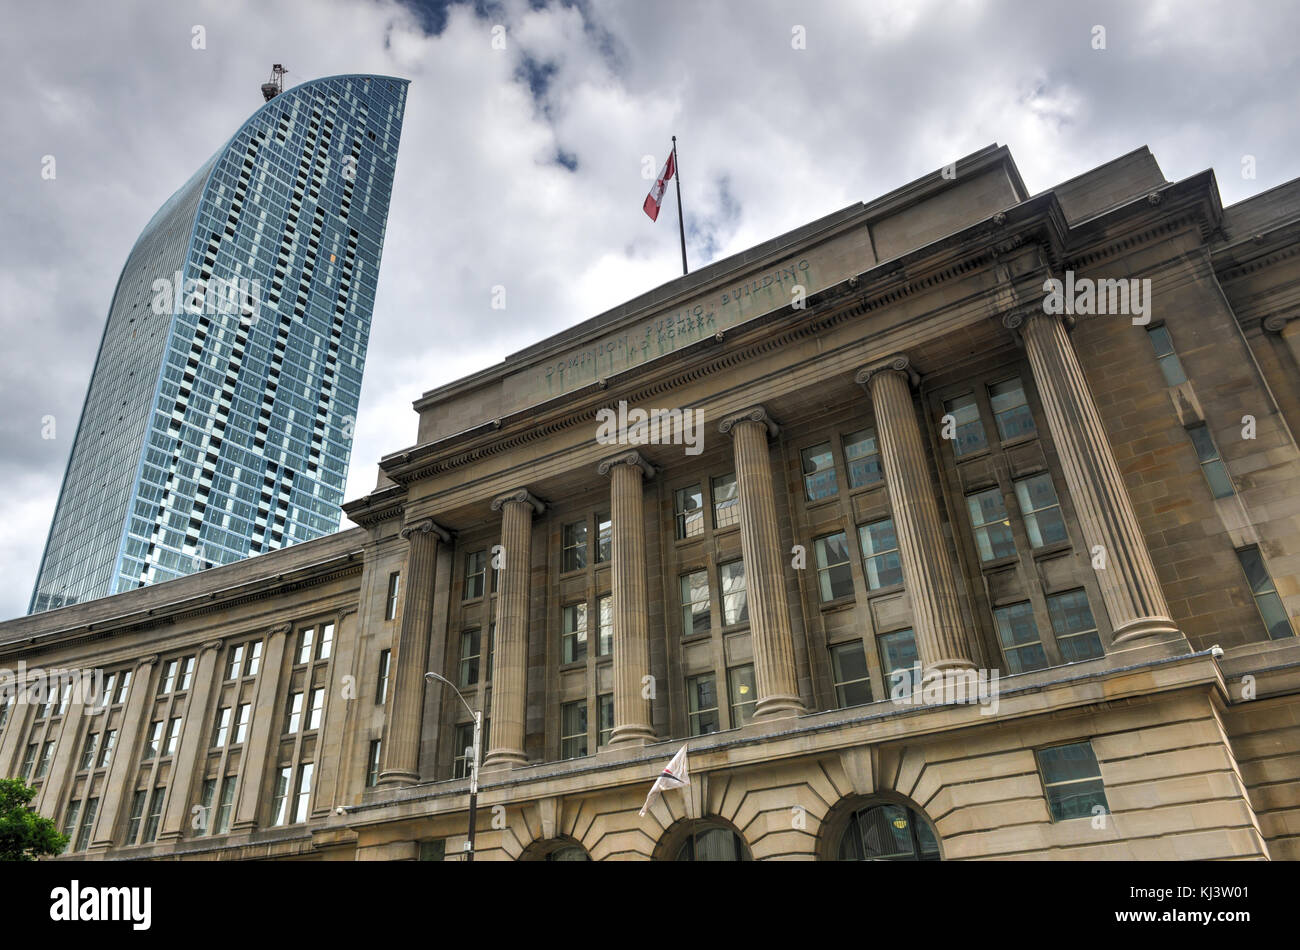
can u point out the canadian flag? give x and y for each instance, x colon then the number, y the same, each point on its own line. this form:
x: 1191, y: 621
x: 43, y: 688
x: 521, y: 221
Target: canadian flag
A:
x: 675, y: 774
x: 656, y: 196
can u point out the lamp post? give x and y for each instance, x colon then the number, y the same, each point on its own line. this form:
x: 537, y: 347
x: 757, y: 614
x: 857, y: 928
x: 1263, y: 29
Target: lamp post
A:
x: 473, y: 763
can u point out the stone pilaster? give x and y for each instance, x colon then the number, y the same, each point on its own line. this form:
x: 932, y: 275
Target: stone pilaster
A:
x: 941, y: 637
x: 401, y: 742
x: 632, y: 712
x: 197, y: 719
x: 1128, y: 581
x: 251, y: 793
x: 120, y: 783
x: 760, y: 542
x: 510, y: 655
x: 332, y: 758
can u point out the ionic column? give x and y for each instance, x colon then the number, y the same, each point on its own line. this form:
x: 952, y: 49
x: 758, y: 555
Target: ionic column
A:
x: 775, y: 678
x: 510, y: 654
x: 197, y: 718
x: 250, y: 793
x: 941, y: 638
x: 632, y: 714
x: 120, y: 783
x: 1128, y: 581
x: 401, y: 742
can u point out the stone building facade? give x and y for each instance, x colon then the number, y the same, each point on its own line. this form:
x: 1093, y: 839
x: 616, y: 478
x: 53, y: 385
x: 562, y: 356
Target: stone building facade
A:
x: 878, y: 455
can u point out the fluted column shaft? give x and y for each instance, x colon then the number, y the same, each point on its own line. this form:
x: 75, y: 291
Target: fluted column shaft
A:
x: 126, y: 756
x: 770, y: 636
x: 632, y: 709
x: 196, y: 723
x: 266, y: 716
x: 1128, y: 582
x: 510, y: 654
x: 401, y: 742
x: 941, y: 638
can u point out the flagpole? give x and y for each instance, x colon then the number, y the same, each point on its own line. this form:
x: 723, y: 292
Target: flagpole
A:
x: 681, y: 224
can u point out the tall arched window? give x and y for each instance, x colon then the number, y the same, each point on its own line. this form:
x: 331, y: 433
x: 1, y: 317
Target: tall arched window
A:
x: 555, y: 849
x: 885, y: 831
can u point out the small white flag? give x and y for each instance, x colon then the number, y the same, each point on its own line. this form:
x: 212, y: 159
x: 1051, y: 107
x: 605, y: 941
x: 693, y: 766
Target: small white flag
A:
x: 673, y: 776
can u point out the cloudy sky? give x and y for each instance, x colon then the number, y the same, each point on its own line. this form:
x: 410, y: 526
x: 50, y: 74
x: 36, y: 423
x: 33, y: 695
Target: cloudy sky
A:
x: 522, y: 167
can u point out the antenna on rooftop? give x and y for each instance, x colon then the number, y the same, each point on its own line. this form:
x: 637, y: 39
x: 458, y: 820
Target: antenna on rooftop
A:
x: 275, y: 85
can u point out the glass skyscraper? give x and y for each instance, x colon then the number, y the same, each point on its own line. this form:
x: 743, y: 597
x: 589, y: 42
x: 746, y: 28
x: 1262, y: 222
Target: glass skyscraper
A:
x: 218, y: 422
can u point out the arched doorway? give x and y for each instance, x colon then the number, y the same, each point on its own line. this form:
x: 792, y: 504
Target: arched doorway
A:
x: 878, y: 829
x: 555, y: 849
x: 708, y: 839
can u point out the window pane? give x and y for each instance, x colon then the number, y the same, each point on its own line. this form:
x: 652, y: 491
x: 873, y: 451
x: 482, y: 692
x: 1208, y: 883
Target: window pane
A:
x: 1019, y: 636
x: 988, y: 515
x: 1042, y: 513
x: 968, y: 432
x: 880, y: 554
x: 695, y: 603
x: 834, y: 575
x: 725, y: 501
x: 1010, y: 411
x: 898, y: 654
x: 819, y: 472
x: 735, y: 605
x: 688, y: 507
x: 849, y: 670
x: 863, y: 458
x: 740, y: 683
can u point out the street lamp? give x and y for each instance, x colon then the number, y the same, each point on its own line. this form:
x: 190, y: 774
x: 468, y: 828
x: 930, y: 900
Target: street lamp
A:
x: 473, y: 762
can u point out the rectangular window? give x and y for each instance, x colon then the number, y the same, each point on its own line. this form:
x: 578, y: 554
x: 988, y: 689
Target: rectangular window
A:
x: 381, y: 690
x: 29, y: 760
x: 294, y: 719
x: 150, y: 833
x: 235, y: 664
x: 573, y: 645
x: 740, y: 687
x: 880, y: 560
x: 173, y: 736
x: 475, y: 574
x: 5, y: 708
x: 702, y: 704
x: 605, y: 635
x: 968, y: 431
x: 574, y: 544
x: 1265, y: 593
x: 1170, y: 366
x: 1072, y: 781
x: 123, y: 685
x: 862, y: 457
x: 688, y: 510
x: 991, y: 524
x: 47, y: 756
x: 390, y: 605
x: 279, y: 805
x: 224, y: 807
x: 469, y: 656
x: 695, y: 602
x: 304, y: 792
x: 305, y: 637
x: 1073, y: 626
x: 492, y: 636
x: 241, y: 723
x: 88, y: 752
x: 604, y: 537
x: 254, y: 659
x: 735, y: 603
x: 1019, y: 637
x: 106, y: 748
x: 1010, y: 410
x: 1041, y: 510
x: 326, y: 645
x: 221, y: 732
x: 137, y: 815
x: 726, y: 503
x: 1212, y: 467
x: 819, y: 472
x: 317, y: 712
x: 573, y: 729
x: 187, y: 673
x: 834, y: 575
x: 604, y: 718
x: 206, y: 800
x: 87, y: 823
x: 849, y: 670
x: 465, y: 747
x: 899, y: 660
x: 70, y: 822
x: 168, y: 678
x: 153, y: 743
x: 372, y: 764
